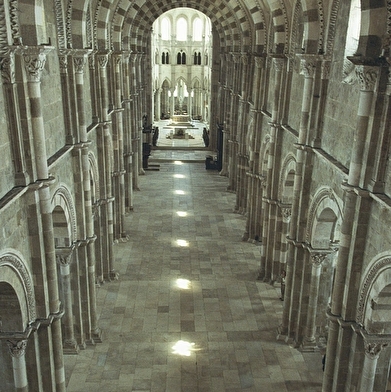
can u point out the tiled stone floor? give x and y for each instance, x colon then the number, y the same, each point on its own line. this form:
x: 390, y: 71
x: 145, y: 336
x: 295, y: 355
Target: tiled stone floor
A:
x: 189, y: 279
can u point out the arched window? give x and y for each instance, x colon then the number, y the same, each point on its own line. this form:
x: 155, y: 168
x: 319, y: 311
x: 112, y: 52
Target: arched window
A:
x: 352, y: 38
x: 183, y: 58
x: 165, y: 58
x: 166, y: 29
x: 197, y: 29
x: 197, y: 58
x: 179, y: 58
x: 181, y: 29
x: 353, y: 33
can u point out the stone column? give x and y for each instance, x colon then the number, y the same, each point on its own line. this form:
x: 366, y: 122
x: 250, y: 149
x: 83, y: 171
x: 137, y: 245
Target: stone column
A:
x: 269, y: 196
x: 317, y: 258
x: 190, y: 105
x: 242, y: 137
x: 106, y: 189
x: 128, y: 146
x: 35, y: 58
x: 233, y: 142
x: 118, y: 145
x: 64, y: 258
x: 135, y: 129
x: 7, y: 69
x: 172, y: 103
x: 158, y: 106
x: 295, y: 256
x: 253, y: 152
x: 80, y: 60
x: 67, y: 91
x: 17, y: 350
x: 335, y: 376
x: 372, y: 351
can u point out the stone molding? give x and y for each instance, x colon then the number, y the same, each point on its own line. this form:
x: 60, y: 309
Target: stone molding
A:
x: 21, y: 271
x: 367, y: 284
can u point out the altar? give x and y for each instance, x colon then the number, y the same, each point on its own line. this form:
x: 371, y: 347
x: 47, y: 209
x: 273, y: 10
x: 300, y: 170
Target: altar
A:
x: 181, y: 119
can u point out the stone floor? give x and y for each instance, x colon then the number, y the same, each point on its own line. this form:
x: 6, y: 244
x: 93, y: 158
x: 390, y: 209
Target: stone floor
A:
x: 187, y: 313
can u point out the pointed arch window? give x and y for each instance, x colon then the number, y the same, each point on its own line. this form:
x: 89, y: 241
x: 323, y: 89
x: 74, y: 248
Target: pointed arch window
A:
x: 181, y: 58
x: 197, y: 58
x: 165, y: 58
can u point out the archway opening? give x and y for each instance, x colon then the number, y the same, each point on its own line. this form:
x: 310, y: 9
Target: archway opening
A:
x: 181, y: 77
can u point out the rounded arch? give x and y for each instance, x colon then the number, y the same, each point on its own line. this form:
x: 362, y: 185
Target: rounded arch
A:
x: 64, y: 217
x: 313, y: 32
x: 324, y: 219
x: 78, y: 24
x: 374, y: 308
x: 17, y: 302
x: 29, y: 23
x: 279, y: 28
x: 229, y: 27
x: 285, y: 188
x: 374, y: 33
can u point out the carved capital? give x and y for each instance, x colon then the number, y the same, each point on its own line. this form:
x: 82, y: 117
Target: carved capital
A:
x: 64, y: 255
x: 278, y: 63
x: 308, y: 65
x: 102, y: 58
x: 259, y: 61
x: 79, y: 63
x: 286, y: 213
x: 17, y: 347
x: 80, y: 59
x: 34, y: 61
x: 236, y: 58
x: 373, y: 349
x: 117, y: 58
x: 318, y: 258
x: 7, y: 66
x: 367, y: 77
x: 325, y: 69
x: 63, y: 61
x: 244, y: 59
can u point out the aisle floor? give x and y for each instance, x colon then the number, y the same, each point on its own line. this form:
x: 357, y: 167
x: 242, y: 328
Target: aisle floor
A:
x: 187, y: 313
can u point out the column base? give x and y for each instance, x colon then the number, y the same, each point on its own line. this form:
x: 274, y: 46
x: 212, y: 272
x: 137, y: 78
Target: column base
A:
x: 113, y: 275
x: 309, y: 345
x: 96, y: 335
x: 70, y: 347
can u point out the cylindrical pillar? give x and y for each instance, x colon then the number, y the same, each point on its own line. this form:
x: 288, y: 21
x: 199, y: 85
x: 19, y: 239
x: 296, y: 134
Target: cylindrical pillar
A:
x: 17, y: 350
x: 35, y: 58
